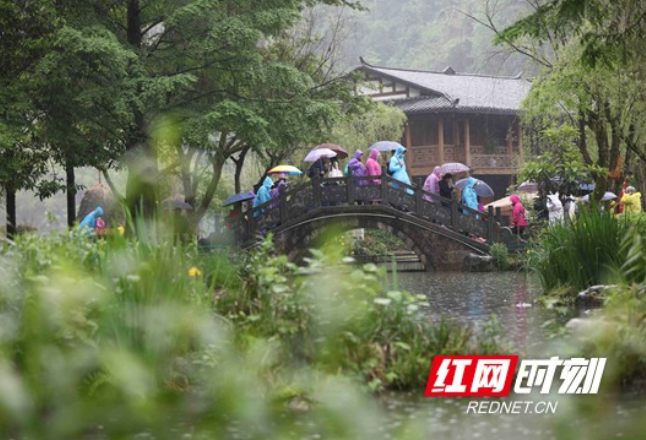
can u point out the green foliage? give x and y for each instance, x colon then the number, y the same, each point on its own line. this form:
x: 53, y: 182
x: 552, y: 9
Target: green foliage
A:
x: 500, y: 255
x: 561, y: 167
x: 373, y: 123
x: 381, y: 337
x: 579, y: 254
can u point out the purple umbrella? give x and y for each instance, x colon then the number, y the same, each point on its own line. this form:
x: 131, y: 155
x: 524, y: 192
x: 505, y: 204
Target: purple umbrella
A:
x: 385, y: 146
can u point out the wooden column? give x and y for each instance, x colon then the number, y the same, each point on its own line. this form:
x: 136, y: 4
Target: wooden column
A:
x: 520, y: 138
x: 510, y: 138
x: 409, y: 144
x: 467, y: 143
x: 408, y: 137
x: 440, y: 141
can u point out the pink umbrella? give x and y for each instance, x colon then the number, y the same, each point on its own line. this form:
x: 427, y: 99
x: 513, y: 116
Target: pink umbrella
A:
x: 454, y: 168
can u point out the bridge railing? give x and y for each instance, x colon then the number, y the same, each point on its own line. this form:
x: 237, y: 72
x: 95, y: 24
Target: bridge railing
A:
x: 324, y: 193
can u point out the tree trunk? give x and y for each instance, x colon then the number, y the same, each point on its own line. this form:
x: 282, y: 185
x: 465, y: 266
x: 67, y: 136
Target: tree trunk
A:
x: 197, y: 215
x: 70, y: 182
x: 583, y: 140
x: 238, y: 173
x: 143, y: 169
x: 11, y: 210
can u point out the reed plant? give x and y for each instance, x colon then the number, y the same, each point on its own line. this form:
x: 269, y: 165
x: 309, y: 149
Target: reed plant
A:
x: 578, y: 254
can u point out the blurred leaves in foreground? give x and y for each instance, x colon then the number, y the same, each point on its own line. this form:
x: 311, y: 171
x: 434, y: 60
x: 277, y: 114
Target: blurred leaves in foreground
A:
x: 114, y: 339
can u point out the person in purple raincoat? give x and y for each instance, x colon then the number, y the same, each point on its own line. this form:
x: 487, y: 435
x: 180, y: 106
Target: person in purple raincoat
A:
x: 278, y: 189
x: 357, y: 167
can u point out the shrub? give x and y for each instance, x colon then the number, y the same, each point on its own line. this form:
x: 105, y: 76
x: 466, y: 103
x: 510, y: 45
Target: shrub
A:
x: 500, y: 255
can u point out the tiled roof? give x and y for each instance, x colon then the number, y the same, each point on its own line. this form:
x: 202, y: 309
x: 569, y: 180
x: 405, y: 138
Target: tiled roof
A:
x: 465, y: 92
x: 424, y: 104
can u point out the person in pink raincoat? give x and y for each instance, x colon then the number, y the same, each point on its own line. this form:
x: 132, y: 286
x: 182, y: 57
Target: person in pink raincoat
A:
x: 432, y: 184
x: 519, y: 223
x: 372, y: 166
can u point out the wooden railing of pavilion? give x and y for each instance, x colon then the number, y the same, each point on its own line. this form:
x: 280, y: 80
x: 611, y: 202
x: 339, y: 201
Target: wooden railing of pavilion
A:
x: 326, y: 195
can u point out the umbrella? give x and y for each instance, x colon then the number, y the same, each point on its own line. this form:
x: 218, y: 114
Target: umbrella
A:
x: 528, y: 186
x: 177, y: 204
x: 482, y: 189
x: 285, y: 169
x: 606, y: 197
x: 340, y: 152
x: 454, y: 168
x: 237, y: 198
x: 385, y: 146
x: 504, y: 204
x: 318, y: 153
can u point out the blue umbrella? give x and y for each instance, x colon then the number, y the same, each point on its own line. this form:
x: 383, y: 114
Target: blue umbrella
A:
x: 237, y: 198
x: 385, y: 146
x: 482, y: 189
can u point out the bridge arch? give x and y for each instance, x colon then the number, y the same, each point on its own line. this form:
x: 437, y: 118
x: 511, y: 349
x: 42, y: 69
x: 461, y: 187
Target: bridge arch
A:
x: 437, y: 247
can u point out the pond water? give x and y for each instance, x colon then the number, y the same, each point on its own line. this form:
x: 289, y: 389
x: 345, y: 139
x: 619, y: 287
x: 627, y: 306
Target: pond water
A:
x: 472, y: 298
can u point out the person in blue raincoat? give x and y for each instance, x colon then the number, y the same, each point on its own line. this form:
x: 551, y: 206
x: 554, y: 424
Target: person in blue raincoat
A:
x: 263, y: 195
x: 469, y: 196
x: 397, y: 167
x: 89, y: 222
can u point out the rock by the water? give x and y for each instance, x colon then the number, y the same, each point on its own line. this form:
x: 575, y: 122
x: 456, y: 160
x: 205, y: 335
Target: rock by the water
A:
x: 477, y: 263
x: 101, y: 195
x: 592, y: 296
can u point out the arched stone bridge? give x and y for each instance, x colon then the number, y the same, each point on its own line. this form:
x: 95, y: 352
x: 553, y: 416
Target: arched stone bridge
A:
x: 441, y: 232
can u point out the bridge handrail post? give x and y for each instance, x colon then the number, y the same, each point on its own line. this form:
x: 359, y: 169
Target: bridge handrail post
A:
x: 351, y: 188
x: 491, y: 224
x: 251, y: 223
x: 384, y: 186
x: 283, y: 207
x: 455, y: 220
x: 418, y: 200
x: 316, y: 191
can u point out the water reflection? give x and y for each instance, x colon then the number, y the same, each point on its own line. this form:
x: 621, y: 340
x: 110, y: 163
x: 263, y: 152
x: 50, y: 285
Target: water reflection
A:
x: 473, y: 297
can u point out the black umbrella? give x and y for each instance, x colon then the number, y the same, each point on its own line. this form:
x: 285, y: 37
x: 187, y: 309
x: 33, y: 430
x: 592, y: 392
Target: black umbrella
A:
x: 237, y: 198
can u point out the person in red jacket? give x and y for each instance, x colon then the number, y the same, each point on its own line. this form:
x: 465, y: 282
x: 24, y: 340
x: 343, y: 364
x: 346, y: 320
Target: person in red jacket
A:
x: 518, y: 220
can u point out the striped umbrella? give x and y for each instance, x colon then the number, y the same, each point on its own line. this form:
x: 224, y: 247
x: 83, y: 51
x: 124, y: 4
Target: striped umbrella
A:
x: 285, y: 169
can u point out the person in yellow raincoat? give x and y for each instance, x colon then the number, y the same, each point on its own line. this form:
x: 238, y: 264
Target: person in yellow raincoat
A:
x: 632, y: 201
